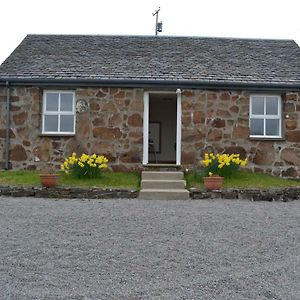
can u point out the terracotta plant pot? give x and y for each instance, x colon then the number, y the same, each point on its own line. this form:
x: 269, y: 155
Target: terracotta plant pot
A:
x: 49, y: 180
x: 213, y: 182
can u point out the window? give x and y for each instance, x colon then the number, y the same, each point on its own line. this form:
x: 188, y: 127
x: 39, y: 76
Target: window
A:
x: 59, y: 112
x: 265, y: 116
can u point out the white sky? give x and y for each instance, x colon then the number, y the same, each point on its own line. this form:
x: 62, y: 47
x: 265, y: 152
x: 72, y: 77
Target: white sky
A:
x: 223, y: 18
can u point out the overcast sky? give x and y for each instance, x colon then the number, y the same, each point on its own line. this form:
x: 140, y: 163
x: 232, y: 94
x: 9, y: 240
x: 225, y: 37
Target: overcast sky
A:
x: 217, y: 18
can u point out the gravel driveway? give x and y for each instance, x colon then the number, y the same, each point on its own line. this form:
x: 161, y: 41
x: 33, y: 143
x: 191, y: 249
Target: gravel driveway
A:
x: 135, y: 249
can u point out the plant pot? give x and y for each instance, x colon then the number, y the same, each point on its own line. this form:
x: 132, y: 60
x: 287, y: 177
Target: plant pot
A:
x: 213, y: 182
x: 49, y: 180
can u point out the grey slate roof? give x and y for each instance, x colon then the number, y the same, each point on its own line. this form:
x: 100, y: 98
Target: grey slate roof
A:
x: 155, y: 59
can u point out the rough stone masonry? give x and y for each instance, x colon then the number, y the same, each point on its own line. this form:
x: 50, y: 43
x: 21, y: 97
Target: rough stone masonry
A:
x: 111, y: 123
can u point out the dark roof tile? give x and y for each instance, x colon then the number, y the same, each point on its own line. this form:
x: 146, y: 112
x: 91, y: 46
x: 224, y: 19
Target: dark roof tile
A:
x: 154, y: 58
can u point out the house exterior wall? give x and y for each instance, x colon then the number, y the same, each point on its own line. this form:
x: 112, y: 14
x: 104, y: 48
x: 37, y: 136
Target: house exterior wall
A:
x: 111, y: 123
x: 219, y: 121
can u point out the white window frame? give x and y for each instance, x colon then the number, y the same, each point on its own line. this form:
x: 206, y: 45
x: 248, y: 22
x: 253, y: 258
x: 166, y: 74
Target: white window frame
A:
x: 58, y: 113
x: 267, y: 117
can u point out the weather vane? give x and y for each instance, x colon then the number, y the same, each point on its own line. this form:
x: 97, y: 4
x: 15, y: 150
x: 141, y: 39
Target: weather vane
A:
x: 158, y: 25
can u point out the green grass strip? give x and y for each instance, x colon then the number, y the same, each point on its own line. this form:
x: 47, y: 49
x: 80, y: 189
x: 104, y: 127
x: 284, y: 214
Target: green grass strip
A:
x: 106, y: 180
x: 244, y: 180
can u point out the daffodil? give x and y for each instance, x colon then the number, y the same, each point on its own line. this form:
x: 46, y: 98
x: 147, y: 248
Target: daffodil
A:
x: 222, y: 164
x: 84, y: 165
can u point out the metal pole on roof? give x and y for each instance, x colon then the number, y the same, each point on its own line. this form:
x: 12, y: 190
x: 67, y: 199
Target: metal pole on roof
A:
x: 158, y: 25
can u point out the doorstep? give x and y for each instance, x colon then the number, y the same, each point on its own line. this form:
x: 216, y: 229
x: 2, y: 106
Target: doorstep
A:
x: 162, y: 167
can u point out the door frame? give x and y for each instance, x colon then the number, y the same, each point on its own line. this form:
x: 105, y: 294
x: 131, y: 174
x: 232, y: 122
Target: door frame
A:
x: 146, y: 125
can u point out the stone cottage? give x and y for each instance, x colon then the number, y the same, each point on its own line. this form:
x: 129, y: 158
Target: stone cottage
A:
x: 151, y: 100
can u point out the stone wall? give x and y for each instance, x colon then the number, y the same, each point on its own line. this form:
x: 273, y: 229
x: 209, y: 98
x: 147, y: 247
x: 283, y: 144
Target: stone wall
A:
x: 109, y: 123
x: 67, y: 192
x: 278, y: 194
x: 219, y: 121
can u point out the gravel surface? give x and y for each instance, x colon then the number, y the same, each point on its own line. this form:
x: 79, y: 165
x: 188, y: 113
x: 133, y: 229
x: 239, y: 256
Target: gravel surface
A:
x: 135, y: 249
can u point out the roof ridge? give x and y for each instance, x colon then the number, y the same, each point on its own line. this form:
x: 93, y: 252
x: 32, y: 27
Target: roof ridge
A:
x: 160, y: 36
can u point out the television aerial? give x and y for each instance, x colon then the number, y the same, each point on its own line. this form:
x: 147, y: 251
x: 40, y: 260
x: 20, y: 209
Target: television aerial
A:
x: 158, y: 25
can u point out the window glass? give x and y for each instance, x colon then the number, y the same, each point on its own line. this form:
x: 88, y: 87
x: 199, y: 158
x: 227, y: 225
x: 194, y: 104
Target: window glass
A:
x: 272, y: 127
x: 58, y: 112
x: 257, y: 126
x: 66, y: 123
x: 51, y: 123
x: 257, y: 105
x: 66, y: 102
x: 272, y: 106
x: 52, y: 101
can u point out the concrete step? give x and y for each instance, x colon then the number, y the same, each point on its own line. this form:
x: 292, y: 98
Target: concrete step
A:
x: 162, y: 194
x: 162, y: 184
x: 162, y: 167
x: 161, y: 175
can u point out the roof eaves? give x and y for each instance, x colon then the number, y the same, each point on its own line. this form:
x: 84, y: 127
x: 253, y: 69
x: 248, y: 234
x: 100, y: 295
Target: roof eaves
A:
x: 210, y: 84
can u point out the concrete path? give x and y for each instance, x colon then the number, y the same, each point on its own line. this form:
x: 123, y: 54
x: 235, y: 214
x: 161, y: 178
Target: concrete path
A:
x: 135, y: 249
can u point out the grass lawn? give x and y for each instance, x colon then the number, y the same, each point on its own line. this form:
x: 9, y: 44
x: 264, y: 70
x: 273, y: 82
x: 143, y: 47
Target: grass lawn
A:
x: 107, y: 180
x: 132, y: 180
x: 245, y: 180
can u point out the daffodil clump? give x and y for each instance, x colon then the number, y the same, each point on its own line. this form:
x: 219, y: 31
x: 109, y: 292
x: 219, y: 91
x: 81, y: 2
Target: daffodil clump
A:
x: 222, y: 164
x: 89, y: 166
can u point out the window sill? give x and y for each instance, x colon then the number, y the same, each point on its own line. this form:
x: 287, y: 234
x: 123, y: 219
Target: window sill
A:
x: 251, y: 138
x: 57, y: 134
